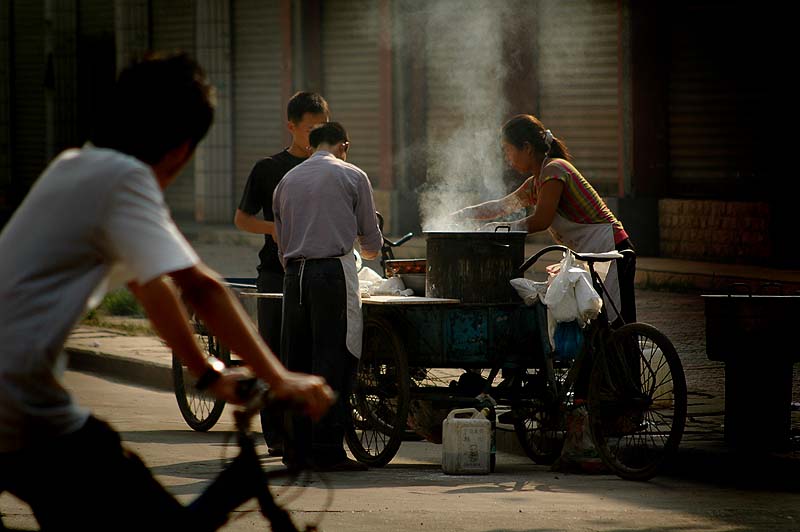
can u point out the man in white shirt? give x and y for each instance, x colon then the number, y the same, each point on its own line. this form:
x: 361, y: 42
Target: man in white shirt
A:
x: 97, y: 217
x: 322, y: 206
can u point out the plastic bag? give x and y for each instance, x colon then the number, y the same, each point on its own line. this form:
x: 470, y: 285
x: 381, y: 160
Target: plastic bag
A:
x: 567, y: 341
x: 571, y: 295
x: 530, y: 291
x: 579, y: 455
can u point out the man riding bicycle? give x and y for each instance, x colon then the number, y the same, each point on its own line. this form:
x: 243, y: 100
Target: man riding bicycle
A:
x: 94, y: 219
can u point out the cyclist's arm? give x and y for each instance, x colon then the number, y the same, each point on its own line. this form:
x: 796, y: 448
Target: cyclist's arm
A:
x: 225, y: 317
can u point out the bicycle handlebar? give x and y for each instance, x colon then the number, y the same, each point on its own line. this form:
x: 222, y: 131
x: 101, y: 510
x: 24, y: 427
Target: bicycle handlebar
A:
x: 587, y: 257
x: 257, y: 395
x: 400, y: 242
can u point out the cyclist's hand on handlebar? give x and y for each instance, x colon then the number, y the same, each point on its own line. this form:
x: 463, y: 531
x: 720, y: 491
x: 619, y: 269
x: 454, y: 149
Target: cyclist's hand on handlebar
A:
x: 226, y: 387
x: 310, y: 390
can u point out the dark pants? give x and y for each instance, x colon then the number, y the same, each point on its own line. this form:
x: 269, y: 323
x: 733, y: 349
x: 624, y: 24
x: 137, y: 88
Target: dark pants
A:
x: 626, y: 272
x: 87, y: 481
x: 314, y: 341
x: 269, y: 326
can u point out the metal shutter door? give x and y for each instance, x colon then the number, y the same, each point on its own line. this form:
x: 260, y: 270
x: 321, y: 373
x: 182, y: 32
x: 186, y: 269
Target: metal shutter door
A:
x: 5, y: 102
x: 465, y: 101
x: 715, y: 103
x: 259, y: 114
x: 351, y: 79
x: 173, y: 28
x: 96, y: 64
x: 579, y: 84
x: 28, y: 98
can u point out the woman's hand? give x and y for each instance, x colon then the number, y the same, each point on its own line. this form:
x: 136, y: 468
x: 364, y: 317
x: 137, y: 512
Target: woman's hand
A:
x: 492, y: 226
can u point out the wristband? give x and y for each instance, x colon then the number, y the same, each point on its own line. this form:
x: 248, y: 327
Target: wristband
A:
x: 211, y: 375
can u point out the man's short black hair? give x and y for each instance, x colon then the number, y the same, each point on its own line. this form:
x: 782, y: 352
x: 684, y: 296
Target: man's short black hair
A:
x: 330, y: 133
x: 157, y: 104
x: 306, y: 102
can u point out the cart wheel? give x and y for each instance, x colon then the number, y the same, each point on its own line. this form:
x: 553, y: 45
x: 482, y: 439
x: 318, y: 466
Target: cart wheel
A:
x: 380, y: 398
x: 538, y: 421
x: 637, y: 401
x: 201, y: 410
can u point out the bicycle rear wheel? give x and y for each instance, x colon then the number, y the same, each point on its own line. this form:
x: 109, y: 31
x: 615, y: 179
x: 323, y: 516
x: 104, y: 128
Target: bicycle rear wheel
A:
x: 200, y: 410
x: 637, y: 401
x: 379, y: 402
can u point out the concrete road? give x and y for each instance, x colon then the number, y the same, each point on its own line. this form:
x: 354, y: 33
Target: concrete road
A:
x: 413, y: 494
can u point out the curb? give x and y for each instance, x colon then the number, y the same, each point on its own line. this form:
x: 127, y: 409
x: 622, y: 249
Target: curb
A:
x: 122, y: 369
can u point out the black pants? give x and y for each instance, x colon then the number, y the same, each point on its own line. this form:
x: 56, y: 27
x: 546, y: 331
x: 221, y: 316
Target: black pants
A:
x: 87, y: 481
x: 626, y: 272
x: 269, y: 326
x: 314, y: 341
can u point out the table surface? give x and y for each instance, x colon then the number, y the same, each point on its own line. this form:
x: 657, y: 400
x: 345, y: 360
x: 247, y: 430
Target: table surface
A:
x: 372, y: 300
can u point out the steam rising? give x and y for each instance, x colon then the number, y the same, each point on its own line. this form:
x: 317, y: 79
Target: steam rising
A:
x: 466, y: 107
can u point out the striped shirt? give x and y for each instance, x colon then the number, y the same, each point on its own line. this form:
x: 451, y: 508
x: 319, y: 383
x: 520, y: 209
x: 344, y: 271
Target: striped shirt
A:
x: 580, y: 202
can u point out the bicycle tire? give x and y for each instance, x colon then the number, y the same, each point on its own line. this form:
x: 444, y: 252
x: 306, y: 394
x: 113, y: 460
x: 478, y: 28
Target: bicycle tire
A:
x: 637, y: 401
x: 200, y: 410
x: 380, y: 399
x: 540, y: 434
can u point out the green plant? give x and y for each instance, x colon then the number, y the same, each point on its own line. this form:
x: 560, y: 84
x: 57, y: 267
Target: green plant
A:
x: 121, y: 303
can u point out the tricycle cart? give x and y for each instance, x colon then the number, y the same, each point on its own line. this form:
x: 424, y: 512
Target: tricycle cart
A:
x: 630, y: 379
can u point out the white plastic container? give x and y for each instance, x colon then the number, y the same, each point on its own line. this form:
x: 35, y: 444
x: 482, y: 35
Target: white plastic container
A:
x: 466, y: 443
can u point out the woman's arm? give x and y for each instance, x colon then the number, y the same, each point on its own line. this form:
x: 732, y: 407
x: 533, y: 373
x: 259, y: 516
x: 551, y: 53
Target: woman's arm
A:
x: 546, y: 206
x: 492, y: 209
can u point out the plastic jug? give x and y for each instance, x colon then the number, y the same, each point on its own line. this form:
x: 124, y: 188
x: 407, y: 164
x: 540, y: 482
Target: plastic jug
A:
x: 466, y: 442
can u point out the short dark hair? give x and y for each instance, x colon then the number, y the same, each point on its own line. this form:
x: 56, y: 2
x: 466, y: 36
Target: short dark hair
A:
x: 329, y: 133
x: 157, y: 104
x: 306, y: 102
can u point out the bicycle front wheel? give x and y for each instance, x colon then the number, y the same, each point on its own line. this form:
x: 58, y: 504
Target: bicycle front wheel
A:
x: 200, y: 410
x: 637, y: 401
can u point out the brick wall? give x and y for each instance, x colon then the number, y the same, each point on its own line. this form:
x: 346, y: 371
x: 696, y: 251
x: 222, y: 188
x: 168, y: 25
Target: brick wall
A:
x: 730, y: 231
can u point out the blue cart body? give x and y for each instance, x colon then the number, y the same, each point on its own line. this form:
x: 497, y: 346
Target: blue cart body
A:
x: 468, y: 335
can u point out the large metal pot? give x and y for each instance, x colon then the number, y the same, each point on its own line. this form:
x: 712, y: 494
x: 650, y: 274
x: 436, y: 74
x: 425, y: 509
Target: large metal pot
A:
x: 474, y: 266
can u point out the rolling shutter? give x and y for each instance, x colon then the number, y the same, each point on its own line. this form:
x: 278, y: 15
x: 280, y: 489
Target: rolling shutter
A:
x: 28, y: 97
x: 259, y: 114
x: 5, y: 101
x: 173, y: 28
x: 96, y: 65
x: 351, y: 77
x: 715, y: 104
x: 579, y: 84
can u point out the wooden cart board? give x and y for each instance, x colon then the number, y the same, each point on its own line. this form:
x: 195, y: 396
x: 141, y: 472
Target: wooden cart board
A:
x: 372, y: 300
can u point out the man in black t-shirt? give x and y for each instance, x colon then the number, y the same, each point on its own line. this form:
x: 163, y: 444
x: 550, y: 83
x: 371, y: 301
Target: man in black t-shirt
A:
x: 304, y: 111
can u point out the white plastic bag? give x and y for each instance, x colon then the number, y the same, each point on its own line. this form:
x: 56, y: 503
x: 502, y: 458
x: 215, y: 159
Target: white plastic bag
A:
x: 560, y: 297
x: 571, y: 295
x: 393, y: 286
x: 530, y: 291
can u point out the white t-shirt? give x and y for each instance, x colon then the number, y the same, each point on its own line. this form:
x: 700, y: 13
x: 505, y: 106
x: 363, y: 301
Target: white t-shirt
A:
x: 95, y: 218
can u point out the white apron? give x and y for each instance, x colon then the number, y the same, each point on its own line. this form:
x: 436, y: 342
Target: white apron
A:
x: 592, y: 238
x: 355, y: 323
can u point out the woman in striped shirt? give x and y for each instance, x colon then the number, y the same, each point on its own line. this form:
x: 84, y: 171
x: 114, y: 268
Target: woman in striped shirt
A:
x: 565, y: 204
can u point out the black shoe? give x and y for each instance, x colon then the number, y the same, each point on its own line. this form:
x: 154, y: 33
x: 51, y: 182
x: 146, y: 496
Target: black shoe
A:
x: 275, y: 451
x: 344, y: 465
